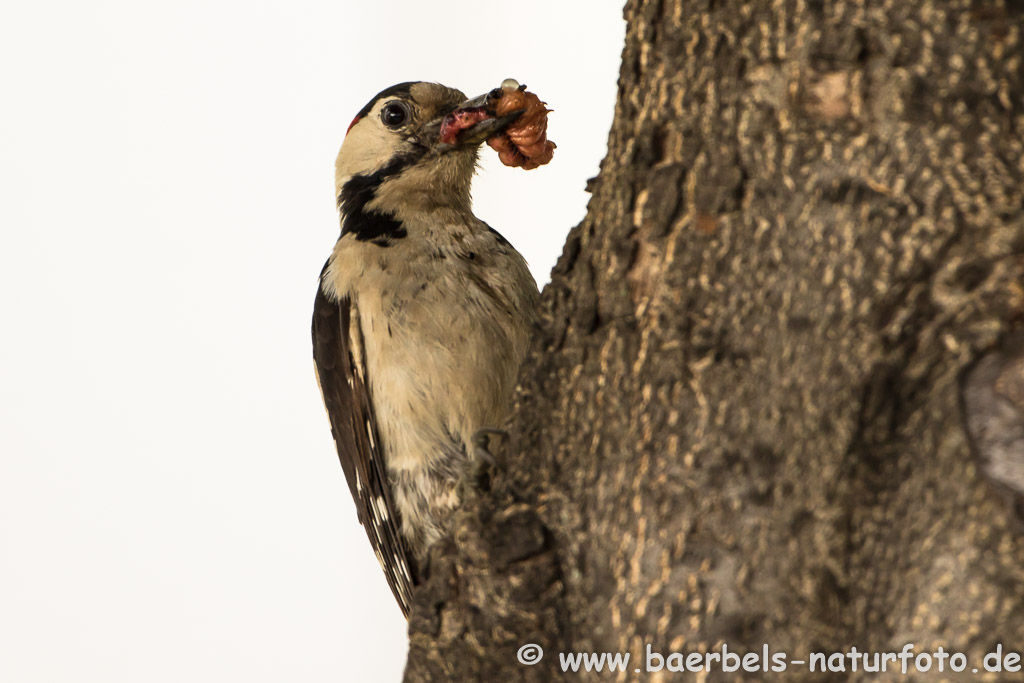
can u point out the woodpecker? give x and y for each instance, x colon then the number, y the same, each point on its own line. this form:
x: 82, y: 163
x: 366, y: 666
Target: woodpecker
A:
x: 421, y: 318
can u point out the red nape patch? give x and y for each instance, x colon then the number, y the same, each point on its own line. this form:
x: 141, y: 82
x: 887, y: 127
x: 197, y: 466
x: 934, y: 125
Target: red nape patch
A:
x: 354, y: 122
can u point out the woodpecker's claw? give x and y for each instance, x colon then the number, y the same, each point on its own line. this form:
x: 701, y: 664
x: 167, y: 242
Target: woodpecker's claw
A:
x: 482, y: 446
x: 482, y: 463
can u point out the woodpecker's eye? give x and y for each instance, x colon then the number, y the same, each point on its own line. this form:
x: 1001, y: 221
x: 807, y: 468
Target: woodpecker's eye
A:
x: 394, y: 114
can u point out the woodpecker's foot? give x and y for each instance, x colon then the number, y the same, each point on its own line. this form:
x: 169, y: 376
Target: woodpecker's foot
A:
x: 482, y: 447
x: 482, y: 462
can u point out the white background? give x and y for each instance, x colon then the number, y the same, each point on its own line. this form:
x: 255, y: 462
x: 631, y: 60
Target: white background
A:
x: 171, y: 506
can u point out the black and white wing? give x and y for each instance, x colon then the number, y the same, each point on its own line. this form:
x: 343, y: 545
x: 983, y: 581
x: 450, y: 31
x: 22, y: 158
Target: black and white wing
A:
x: 340, y: 361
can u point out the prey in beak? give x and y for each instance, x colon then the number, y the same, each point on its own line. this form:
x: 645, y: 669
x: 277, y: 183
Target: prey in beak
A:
x: 474, y: 121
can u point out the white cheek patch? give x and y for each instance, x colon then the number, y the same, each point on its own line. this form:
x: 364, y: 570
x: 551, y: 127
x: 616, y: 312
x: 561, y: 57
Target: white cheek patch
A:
x: 367, y: 148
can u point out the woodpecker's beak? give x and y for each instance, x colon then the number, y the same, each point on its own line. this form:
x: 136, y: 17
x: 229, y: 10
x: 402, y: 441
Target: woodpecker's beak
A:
x: 470, y: 123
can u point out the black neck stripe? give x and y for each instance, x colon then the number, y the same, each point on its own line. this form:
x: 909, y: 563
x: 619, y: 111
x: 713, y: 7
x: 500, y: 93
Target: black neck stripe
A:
x: 381, y: 227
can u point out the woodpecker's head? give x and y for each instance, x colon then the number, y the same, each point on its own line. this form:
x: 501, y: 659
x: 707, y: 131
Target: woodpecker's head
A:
x: 413, y: 142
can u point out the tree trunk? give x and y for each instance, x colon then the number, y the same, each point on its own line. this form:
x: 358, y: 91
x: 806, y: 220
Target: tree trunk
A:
x: 741, y: 420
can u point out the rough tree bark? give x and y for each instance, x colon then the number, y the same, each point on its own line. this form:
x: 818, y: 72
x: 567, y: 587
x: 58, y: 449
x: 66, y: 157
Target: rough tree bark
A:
x: 741, y: 418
